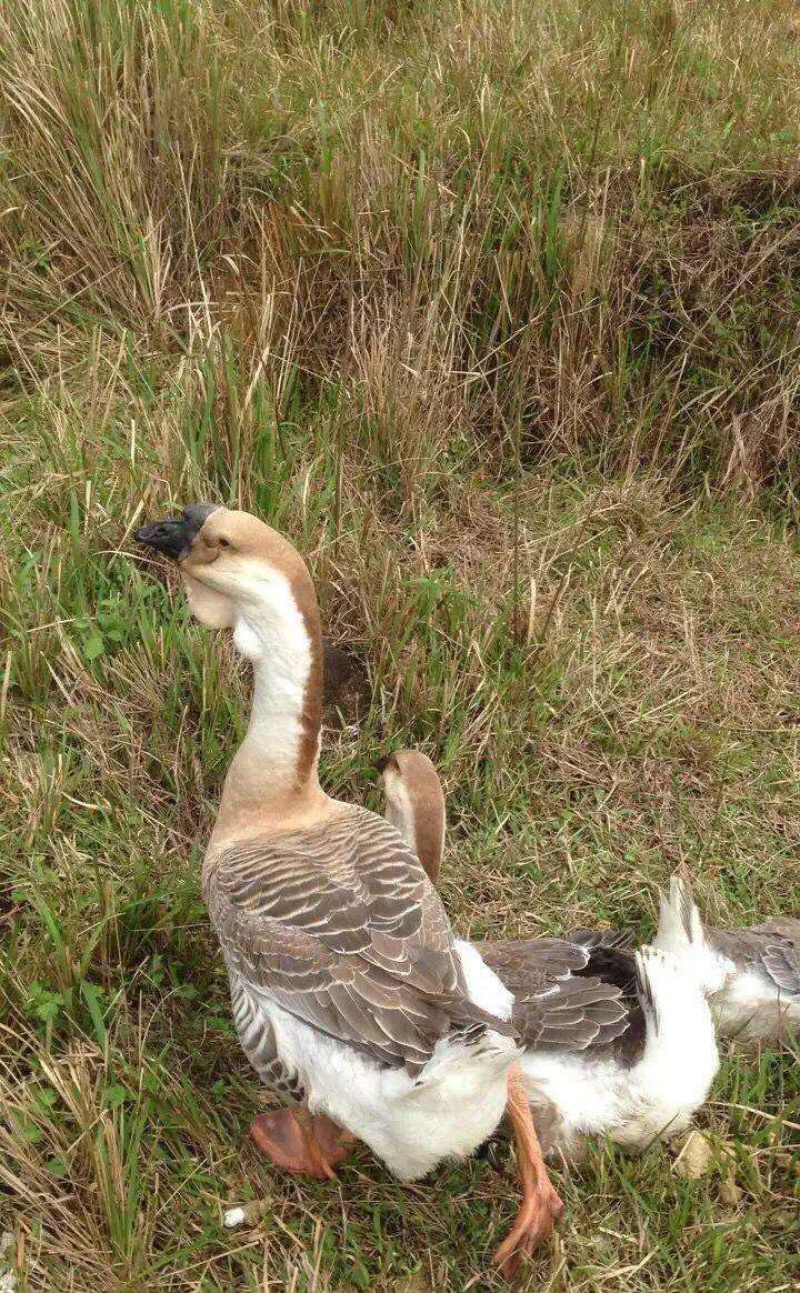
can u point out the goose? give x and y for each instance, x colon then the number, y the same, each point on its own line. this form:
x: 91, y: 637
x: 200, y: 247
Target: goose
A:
x: 751, y: 976
x: 351, y: 996
x: 637, y: 1081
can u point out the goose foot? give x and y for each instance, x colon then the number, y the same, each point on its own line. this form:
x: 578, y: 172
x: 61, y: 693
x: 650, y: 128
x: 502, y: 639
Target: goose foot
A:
x: 298, y: 1141
x: 332, y: 1139
x: 541, y: 1206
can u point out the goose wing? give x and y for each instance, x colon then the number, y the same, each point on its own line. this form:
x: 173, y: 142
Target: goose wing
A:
x: 621, y: 940
x: 558, y: 1002
x: 339, y: 926
x: 780, y: 952
x: 772, y: 947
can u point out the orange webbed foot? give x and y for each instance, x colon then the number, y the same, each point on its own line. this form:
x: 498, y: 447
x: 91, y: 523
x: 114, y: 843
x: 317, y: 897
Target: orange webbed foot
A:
x: 535, y: 1223
x: 297, y: 1142
x: 286, y: 1139
x: 541, y: 1206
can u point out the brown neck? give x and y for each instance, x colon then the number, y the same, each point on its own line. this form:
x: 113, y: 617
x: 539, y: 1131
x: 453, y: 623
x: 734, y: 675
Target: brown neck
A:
x: 272, y: 782
x: 415, y: 806
x: 429, y: 832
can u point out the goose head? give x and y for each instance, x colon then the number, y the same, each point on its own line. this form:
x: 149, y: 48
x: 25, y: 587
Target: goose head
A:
x: 239, y: 572
x: 415, y: 805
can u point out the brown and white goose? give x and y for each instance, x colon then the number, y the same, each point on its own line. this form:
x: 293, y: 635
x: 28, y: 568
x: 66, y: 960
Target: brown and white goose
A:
x: 351, y: 995
x: 640, y: 1077
x: 751, y: 976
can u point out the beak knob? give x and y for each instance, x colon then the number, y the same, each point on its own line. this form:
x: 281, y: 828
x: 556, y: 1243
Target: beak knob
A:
x: 174, y: 536
x: 170, y: 537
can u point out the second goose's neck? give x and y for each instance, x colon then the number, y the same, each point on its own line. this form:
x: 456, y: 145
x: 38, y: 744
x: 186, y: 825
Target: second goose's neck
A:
x: 419, y: 816
x: 273, y: 779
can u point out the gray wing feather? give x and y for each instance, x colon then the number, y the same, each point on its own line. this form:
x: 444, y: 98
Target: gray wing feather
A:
x: 553, y: 1005
x: 609, y: 939
x: 780, y: 956
x: 773, y: 946
x: 340, y: 927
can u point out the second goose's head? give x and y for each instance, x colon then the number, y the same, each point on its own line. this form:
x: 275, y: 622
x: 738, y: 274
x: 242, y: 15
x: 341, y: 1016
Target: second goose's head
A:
x: 415, y: 805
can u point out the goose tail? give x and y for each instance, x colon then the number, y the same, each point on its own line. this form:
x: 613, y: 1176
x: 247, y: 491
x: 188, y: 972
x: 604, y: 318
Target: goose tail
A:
x: 681, y: 934
x: 680, y: 1058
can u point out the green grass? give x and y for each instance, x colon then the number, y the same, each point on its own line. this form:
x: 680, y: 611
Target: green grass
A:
x: 493, y: 310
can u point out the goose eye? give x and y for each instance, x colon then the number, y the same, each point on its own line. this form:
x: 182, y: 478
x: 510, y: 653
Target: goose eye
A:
x: 224, y: 543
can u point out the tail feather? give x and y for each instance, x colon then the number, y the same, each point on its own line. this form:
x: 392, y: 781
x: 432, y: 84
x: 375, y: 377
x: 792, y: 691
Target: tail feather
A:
x: 681, y: 933
x: 681, y: 895
x: 492, y: 1052
x: 644, y: 991
x: 679, y: 926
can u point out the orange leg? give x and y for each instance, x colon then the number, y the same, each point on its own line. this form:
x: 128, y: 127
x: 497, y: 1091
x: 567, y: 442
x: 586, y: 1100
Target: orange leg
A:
x: 298, y: 1141
x: 541, y: 1207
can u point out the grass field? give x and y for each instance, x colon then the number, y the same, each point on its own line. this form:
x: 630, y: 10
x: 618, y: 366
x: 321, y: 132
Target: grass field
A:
x: 493, y: 308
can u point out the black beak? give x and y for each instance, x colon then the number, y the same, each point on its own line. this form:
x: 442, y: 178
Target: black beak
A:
x: 175, y: 536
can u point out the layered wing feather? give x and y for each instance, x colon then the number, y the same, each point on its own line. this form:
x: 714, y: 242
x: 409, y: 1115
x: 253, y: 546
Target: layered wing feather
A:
x: 340, y: 927
x: 621, y: 940
x: 773, y: 948
x: 556, y: 1004
x: 779, y: 952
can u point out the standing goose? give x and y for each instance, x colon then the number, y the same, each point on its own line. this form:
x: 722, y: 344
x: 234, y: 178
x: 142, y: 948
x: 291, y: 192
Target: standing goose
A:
x: 751, y: 976
x: 350, y: 994
x: 638, y: 1078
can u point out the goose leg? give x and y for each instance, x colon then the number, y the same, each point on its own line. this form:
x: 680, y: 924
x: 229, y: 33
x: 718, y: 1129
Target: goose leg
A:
x: 541, y: 1207
x: 299, y: 1141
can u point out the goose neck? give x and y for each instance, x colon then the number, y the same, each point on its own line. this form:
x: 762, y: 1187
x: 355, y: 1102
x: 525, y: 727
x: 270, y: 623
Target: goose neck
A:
x: 273, y: 775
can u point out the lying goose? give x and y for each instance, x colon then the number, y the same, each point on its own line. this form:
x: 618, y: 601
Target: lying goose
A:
x: 350, y: 994
x: 639, y: 1079
x: 751, y: 976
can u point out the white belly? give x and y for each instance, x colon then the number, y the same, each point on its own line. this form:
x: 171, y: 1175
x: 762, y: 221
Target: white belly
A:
x: 410, y: 1123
